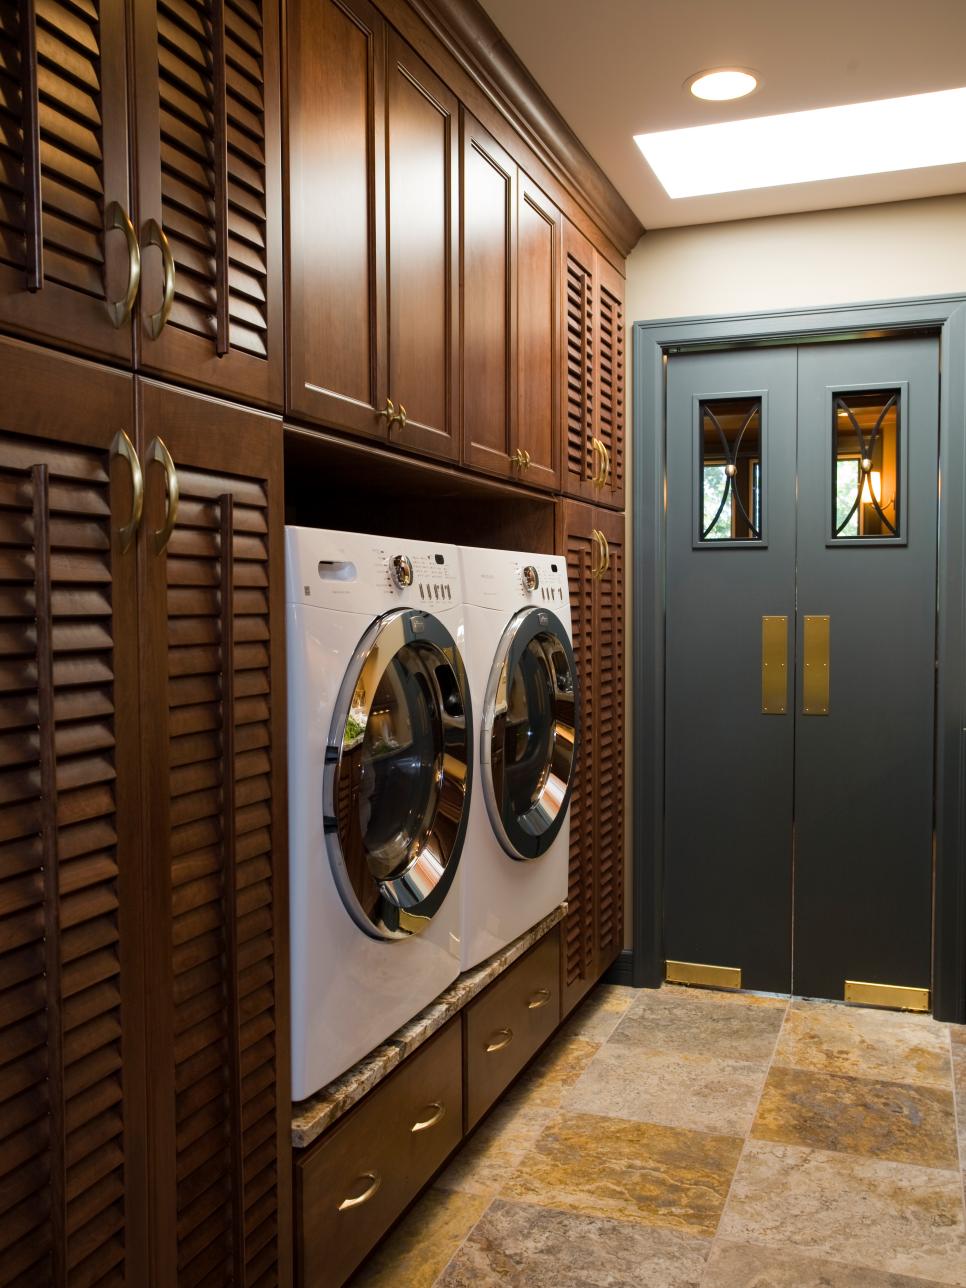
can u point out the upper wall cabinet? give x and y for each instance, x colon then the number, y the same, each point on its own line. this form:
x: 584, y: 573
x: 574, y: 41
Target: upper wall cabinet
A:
x: 592, y: 373
x: 510, y: 316
x: 209, y: 194
x: 68, y: 250
x: 373, y: 171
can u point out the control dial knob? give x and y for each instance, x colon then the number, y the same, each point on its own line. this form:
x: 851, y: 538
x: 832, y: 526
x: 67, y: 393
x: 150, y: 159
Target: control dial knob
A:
x: 402, y: 570
x: 531, y: 578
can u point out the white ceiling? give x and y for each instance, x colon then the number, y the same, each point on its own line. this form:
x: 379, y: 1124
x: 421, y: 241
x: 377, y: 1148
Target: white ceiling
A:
x: 616, y: 68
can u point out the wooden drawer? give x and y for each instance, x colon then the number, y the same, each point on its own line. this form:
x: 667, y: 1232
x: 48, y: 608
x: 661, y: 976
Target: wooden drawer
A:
x: 508, y: 1023
x: 355, y: 1182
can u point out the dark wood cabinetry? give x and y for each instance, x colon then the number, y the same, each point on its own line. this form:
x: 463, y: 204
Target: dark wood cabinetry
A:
x: 593, y: 373
x: 510, y: 316
x: 593, y: 934
x: 143, y: 1107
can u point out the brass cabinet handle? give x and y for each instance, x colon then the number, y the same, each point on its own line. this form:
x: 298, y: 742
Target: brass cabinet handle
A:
x: 598, y: 447
x: 438, y: 1114
x: 605, y: 548
x: 122, y: 446
x: 159, y: 453
x: 402, y: 418
x: 375, y: 1180
x: 389, y: 411
x: 540, y: 998
x: 117, y: 218
x: 154, y: 235
x: 500, y: 1039
x: 605, y: 474
x: 599, y: 568
x: 520, y: 459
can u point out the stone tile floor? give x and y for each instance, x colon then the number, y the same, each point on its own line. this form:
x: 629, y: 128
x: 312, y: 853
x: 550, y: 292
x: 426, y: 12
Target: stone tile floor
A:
x: 691, y: 1139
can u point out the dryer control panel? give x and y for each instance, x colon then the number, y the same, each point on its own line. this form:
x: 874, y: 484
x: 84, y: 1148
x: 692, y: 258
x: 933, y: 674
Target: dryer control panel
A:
x: 434, y: 577
x: 542, y: 580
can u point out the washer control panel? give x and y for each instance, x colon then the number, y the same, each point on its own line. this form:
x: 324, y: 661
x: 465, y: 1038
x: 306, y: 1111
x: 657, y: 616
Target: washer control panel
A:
x: 543, y: 583
x: 431, y: 576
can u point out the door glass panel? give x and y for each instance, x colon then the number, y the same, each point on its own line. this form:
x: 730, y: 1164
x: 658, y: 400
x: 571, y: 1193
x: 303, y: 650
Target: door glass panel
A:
x: 731, y: 479
x: 865, y: 464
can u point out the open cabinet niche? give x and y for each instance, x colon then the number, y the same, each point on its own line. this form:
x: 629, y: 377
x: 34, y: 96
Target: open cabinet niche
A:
x: 330, y: 483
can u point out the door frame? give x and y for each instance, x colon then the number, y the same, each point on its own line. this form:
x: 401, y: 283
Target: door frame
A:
x: 653, y: 343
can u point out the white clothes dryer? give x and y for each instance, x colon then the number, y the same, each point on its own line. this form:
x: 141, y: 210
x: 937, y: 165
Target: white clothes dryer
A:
x: 523, y: 688
x: 380, y: 773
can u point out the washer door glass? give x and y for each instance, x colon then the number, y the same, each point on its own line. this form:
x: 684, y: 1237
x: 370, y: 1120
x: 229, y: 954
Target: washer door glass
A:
x: 397, y: 776
x: 529, y: 741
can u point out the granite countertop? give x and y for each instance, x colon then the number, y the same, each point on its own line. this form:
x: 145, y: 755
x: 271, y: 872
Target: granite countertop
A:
x: 311, y: 1117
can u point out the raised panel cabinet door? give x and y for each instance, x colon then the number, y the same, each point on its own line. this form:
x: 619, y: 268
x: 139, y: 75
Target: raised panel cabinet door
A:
x: 68, y: 261
x: 488, y: 212
x: 337, y: 214
x: 609, y: 741
x: 209, y: 195
x: 422, y: 221
x: 73, y: 1193
x: 610, y: 378
x: 211, y: 562
x: 580, y: 463
x: 538, y: 335
x: 576, y: 540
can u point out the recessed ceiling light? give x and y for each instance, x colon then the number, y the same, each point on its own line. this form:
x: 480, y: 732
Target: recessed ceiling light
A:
x: 722, y: 83
x: 801, y: 147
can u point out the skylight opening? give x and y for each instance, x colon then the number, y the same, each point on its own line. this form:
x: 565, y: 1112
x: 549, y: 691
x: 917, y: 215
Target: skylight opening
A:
x: 890, y: 134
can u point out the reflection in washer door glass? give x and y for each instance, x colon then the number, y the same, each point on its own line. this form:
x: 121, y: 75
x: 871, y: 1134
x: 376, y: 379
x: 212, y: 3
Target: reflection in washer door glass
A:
x: 527, y: 755
x: 402, y: 776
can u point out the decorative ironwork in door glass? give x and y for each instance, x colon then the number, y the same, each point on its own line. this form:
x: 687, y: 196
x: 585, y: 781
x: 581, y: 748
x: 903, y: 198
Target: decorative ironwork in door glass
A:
x: 865, y: 478
x: 731, y: 476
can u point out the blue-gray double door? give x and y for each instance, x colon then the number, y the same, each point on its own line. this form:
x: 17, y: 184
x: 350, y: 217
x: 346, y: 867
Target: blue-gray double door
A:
x: 802, y: 494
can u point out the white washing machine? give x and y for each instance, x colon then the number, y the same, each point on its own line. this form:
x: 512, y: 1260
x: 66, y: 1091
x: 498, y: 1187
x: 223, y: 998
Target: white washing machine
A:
x: 523, y: 688
x: 380, y: 773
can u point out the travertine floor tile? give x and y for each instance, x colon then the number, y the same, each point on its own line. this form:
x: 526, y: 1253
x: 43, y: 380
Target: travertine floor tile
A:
x: 730, y: 1026
x: 629, y: 1171
x: 632, y: 1081
x: 959, y: 1085
x: 744, y: 1265
x: 599, y: 1014
x: 492, y: 1153
x: 554, y: 1071
x: 887, y: 1216
x: 522, y: 1246
x: 889, y: 1120
x: 888, y: 1045
x: 419, y: 1248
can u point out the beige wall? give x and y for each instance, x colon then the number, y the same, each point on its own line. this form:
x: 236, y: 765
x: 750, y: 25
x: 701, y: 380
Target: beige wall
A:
x: 791, y: 261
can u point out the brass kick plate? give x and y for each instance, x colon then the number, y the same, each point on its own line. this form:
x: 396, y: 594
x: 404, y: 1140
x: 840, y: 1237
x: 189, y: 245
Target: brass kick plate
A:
x: 895, y: 996
x: 774, y: 666
x: 815, y: 667
x: 696, y: 973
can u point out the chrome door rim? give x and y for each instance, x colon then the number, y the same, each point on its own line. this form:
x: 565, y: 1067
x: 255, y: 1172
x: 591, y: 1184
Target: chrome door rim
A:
x: 402, y: 905
x: 529, y: 836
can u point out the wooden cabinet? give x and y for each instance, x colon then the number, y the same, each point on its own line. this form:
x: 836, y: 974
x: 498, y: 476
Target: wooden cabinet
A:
x: 63, y: 173
x: 510, y: 316
x: 143, y: 1083
x: 209, y: 194
x: 592, y: 373
x: 354, y: 1183
x: 509, y: 1023
x: 592, y: 539
x: 373, y: 227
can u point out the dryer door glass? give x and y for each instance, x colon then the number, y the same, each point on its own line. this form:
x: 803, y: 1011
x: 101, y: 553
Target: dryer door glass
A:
x: 398, y: 774
x: 529, y: 742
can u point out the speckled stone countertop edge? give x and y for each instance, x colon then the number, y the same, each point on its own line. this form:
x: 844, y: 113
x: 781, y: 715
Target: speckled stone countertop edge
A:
x: 311, y: 1117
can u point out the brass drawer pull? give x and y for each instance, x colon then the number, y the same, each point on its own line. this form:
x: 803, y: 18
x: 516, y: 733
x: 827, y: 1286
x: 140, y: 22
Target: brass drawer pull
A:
x: 598, y: 449
x: 389, y: 411
x: 116, y: 217
x: 159, y: 453
x: 500, y: 1039
x: 375, y: 1180
x: 154, y: 235
x: 122, y: 446
x: 540, y: 998
x: 436, y: 1116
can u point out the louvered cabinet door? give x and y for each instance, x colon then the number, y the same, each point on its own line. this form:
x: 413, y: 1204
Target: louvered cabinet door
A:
x: 336, y: 214
x: 609, y: 740
x: 538, y: 335
x: 73, y: 1198
x: 488, y: 333
x: 65, y: 262
x: 209, y: 195
x: 213, y: 714
x: 609, y: 375
x: 579, y: 462
x: 576, y: 541
x: 422, y: 269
